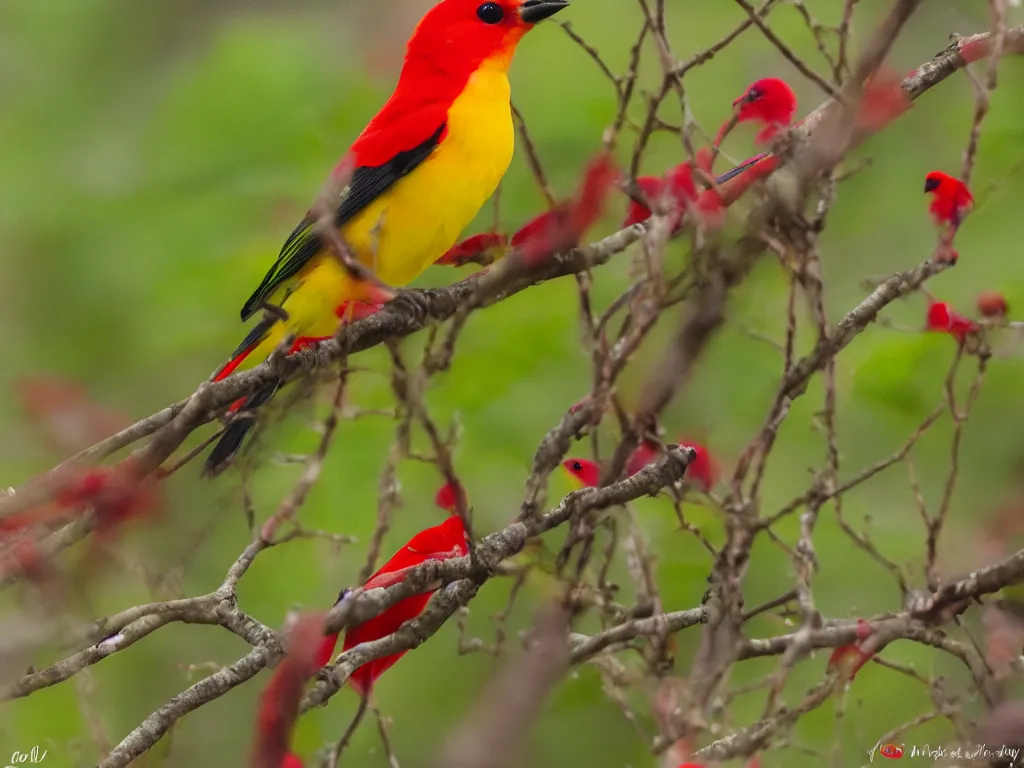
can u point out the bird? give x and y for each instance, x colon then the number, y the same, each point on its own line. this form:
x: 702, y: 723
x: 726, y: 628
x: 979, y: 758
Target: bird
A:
x: 412, y: 180
x: 769, y: 102
x: 440, y: 542
x: 702, y: 472
x: 951, y: 199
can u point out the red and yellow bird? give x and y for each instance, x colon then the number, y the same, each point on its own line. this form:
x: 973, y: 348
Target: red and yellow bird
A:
x: 420, y: 172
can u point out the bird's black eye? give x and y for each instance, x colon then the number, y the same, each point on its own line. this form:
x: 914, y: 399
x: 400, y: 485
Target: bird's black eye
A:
x: 576, y: 466
x: 754, y: 94
x: 490, y: 13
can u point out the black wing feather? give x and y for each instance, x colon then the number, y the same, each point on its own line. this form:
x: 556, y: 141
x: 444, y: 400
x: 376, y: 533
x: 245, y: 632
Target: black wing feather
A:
x: 366, y: 185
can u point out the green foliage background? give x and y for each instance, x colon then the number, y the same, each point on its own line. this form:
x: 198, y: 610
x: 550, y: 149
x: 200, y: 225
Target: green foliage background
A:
x: 155, y: 155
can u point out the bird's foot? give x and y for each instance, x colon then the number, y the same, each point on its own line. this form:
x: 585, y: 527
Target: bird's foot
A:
x: 412, y: 302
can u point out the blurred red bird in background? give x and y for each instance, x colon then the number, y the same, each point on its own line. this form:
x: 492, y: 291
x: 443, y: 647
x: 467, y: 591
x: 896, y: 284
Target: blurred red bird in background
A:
x: 441, y: 542
x: 702, y: 472
x: 951, y: 199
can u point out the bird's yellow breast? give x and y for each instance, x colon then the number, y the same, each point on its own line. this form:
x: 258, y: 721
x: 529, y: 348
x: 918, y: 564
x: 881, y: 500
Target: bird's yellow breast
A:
x: 409, y: 227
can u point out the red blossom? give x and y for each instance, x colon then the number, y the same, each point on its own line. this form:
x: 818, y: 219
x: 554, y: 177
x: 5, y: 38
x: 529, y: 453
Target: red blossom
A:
x: 349, y: 311
x: 864, y: 629
x: 942, y: 319
x: 116, y: 494
x: 447, y: 497
x: 975, y: 50
x: 671, y: 192
x: 883, y: 101
x: 543, y: 226
x: 848, y: 659
x: 703, y: 471
x: 279, y: 704
x: 579, y: 404
x: 485, y: 248
x: 644, y: 454
x: 992, y: 304
x: 70, y: 418
x: 23, y: 558
x: 703, y: 159
x: 561, y: 228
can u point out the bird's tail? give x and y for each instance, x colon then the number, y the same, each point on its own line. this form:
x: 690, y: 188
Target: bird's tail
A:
x: 262, y: 340
x: 243, y: 411
x: 234, y: 434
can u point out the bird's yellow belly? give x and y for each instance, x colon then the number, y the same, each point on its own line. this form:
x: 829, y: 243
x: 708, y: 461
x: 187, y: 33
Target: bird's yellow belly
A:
x: 423, y: 214
x: 412, y: 224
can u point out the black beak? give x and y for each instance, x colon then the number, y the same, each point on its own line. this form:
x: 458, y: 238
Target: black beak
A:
x: 930, y: 185
x: 533, y: 11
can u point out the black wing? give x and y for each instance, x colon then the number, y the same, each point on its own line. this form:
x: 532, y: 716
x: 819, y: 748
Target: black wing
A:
x: 741, y: 168
x: 365, y: 186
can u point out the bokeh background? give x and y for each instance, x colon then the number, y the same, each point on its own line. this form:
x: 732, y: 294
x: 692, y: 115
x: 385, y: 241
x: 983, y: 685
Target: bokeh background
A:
x: 154, y: 155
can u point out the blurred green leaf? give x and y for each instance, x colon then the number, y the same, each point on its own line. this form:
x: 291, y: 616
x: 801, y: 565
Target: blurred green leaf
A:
x: 897, y: 375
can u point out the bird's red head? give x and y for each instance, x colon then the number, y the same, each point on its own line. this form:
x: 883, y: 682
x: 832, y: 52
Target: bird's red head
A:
x: 935, y: 180
x: 587, y: 472
x: 465, y: 34
x: 770, y: 101
x: 448, y: 498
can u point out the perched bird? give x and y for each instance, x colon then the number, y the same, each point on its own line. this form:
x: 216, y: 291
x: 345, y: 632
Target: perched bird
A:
x: 702, y: 472
x: 951, y: 199
x: 441, y: 542
x: 769, y: 102
x: 412, y: 180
